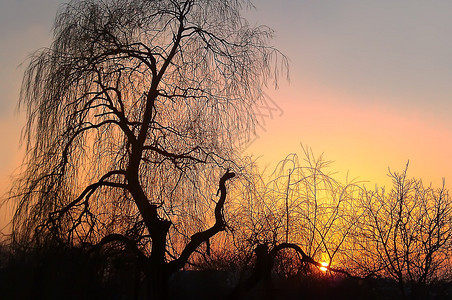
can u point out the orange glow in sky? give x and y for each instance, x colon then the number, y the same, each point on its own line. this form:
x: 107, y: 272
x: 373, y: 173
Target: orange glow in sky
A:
x: 364, y: 140
x: 369, y: 84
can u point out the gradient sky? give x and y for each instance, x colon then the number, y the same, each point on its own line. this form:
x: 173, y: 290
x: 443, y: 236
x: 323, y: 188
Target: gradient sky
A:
x: 371, y: 83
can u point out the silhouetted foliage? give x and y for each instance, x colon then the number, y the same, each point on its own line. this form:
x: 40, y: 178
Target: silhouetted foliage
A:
x: 134, y: 112
x: 274, y: 271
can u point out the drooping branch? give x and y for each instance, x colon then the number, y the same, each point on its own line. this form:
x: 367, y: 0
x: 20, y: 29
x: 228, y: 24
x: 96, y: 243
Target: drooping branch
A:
x: 173, y: 156
x: 264, y: 264
x: 305, y: 258
x: 86, y: 194
x: 115, y: 237
x: 202, y: 237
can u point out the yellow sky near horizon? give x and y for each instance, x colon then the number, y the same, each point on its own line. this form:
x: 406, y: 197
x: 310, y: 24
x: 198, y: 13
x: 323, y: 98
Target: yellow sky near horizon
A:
x: 363, y: 141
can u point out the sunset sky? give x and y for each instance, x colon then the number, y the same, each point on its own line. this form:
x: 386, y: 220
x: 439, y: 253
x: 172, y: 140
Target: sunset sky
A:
x: 370, y: 83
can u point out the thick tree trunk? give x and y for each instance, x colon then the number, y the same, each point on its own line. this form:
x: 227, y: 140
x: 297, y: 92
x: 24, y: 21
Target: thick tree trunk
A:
x: 159, y: 273
x: 159, y: 270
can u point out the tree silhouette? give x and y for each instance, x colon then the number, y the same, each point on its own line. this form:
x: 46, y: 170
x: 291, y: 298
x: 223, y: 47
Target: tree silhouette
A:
x: 133, y: 111
x: 300, y: 203
x: 404, y: 234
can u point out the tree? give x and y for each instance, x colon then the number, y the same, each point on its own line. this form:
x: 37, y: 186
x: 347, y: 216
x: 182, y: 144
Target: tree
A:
x: 291, y: 223
x: 300, y: 203
x: 405, y: 234
x: 132, y: 113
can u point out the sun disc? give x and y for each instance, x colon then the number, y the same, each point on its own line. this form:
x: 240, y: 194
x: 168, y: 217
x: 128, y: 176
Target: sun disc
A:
x: 324, y: 268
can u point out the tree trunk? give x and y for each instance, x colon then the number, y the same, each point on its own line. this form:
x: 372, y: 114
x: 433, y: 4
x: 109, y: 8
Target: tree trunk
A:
x: 261, y: 272
x: 159, y: 273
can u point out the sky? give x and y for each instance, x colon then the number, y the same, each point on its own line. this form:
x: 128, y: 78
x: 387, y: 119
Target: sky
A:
x: 370, y: 84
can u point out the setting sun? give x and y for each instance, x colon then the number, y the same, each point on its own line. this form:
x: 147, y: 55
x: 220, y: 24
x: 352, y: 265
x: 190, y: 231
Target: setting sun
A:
x: 324, y: 268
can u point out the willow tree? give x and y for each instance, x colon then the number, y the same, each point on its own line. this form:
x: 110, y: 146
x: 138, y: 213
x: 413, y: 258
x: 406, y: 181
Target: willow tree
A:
x: 133, y: 111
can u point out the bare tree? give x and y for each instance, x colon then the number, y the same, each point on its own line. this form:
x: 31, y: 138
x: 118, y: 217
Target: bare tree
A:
x: 405, y: 234
x: 291, y: 221
x: 132, y: 113
x: 315, y: 206
x: 301, y: 203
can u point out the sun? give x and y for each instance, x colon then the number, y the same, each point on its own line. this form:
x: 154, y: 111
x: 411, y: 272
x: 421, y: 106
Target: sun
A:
x: 324, y: 268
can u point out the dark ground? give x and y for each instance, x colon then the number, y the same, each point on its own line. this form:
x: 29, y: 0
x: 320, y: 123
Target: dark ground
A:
x: 70, y: 274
